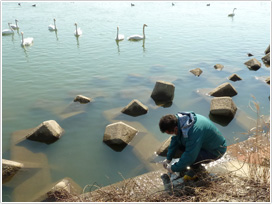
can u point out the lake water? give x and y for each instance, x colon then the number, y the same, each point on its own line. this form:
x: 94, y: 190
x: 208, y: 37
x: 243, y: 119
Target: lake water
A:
x: 40, y: 82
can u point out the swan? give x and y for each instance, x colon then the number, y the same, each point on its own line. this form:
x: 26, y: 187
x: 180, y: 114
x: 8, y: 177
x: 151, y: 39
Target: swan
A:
x: 14, y: 26
x: 78, y: 31
x: 232, y: 14
x: 138, y: 37
x: 8, y: 31
x: 26, y: 41
x: 119, y: 37
x: 53, y: 27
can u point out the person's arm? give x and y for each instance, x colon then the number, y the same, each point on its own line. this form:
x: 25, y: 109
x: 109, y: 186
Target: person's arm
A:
x: 172, y: 148
x: 192, y: 149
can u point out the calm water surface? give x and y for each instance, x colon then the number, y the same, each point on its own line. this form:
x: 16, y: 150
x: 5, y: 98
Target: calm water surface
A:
x: 40, y: 82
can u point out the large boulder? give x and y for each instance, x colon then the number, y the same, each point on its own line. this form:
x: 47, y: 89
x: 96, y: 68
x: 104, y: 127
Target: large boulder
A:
x: 47, y: 132
x: 162, y: 151
x: 218, y: 66
x: 9, y: 169
x: 266, y: 59
x: 253, y: 64
x: 82, y: 99
x: 235, y: 77
x: 163, y: 92
x: 225, y: 89
x: 197, y: 71
x: 223, y: 106
x: 118, y: 135
x: 135, y: 108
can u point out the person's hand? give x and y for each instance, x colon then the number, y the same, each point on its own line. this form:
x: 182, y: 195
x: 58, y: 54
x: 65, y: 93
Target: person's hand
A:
x: 169, y: 168
x: 165, y: 163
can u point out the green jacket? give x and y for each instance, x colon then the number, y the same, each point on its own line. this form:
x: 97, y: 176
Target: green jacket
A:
x: 202, y: 135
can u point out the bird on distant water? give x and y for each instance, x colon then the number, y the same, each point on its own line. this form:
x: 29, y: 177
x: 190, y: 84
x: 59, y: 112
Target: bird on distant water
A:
x: 34, y: 5
x: 208, y: 4
x: 138, y: 37
x: 119, y: 37
x: 173, y: 4
x: 78, y: 31
x: 52, y: 27
x: 14, y: 26
x: 8, y: 31
x: 249, y: 54
x: 132, y: 4
x: 232, y: 14
x: 19, y: 4
x: 26, y: 41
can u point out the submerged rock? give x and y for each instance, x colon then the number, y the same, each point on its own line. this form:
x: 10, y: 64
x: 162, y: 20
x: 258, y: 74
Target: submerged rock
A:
x: 197, y: 71
x: 118, y: 135
x: 135, y: 108
x: 82, y: 99
x: 218, y: 66
x: 235, y: 77
x: 47, y: 132
x: 266, y: 59
x: 267, y: 80
x: 225, y: 89
x: 9, y: 169
x: 253, y: 64
x: 163, y: 92
x: 223, y: 106
x: 267, y: 50
x: 63, y: 190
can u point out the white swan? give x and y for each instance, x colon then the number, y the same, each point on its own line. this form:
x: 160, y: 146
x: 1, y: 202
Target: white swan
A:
x: 8, y: 31
x: 78, y: 31
x: 232, y: 14
x: 138, y: 37
x: 14, y: 26
x: 119, y: 37
x: 26, y: 41
x: 53, y: 27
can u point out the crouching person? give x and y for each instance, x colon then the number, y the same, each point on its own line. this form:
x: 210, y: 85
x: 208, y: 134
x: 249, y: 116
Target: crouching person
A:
x: 197, y: 136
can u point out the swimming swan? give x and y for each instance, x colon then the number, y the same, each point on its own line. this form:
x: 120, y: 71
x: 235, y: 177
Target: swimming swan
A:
x: 52, y: 27
x: 119, y: 37
x: 26, y: 41
x: 232, y: 14
x: 14, y: 26
x: 78, y: 31
x: 8, y: 31
x: 138, y: 37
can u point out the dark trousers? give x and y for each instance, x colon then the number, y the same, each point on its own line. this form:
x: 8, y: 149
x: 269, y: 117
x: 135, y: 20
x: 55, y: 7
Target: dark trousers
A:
x: 204, y: 157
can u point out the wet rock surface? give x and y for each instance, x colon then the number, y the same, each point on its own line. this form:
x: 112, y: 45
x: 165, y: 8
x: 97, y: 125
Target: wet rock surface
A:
x: 253, y: 64
x: 163, y: 92
x: 223, y: 106
x: 197, y: 72
x: 47, y: 132
x: 9, y: 169
x: 225, y: 89
x: 118, y: 135
x: 135, y: 108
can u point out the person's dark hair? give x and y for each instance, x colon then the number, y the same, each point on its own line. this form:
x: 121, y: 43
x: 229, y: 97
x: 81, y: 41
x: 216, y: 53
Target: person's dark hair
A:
x: 168, y: 123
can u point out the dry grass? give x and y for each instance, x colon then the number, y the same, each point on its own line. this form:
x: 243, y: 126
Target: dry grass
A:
x: 227, y: 187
